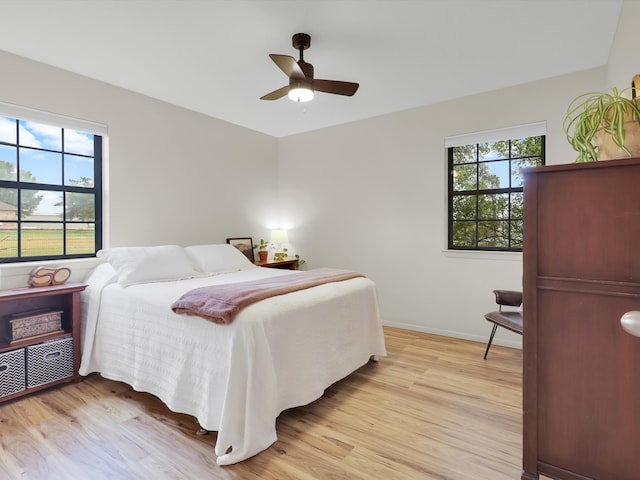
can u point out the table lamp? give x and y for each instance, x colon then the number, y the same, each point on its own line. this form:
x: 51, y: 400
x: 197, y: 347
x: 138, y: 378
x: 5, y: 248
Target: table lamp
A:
x: 278, y: 237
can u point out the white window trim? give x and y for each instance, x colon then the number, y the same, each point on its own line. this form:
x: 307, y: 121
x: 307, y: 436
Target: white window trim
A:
x: 534, y: 129
x: 48, y: 118
x: 30, y: 114
x: 518, y: 131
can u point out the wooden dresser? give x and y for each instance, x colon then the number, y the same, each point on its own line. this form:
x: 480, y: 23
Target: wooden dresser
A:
x: 581, y: 372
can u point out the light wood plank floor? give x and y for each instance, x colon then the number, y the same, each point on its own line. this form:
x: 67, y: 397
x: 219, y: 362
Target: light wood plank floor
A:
x: 431, y: 409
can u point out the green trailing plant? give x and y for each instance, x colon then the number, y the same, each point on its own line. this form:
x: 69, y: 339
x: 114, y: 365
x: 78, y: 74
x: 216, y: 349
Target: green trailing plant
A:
x: 589, y: 112
x: 284, y: 254
x: 277, y: 256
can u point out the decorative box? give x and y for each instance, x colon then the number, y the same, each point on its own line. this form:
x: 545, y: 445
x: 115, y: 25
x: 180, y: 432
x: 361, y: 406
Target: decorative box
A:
x: 12, y: 372
x: 49, y: 361
x: 34, y: 324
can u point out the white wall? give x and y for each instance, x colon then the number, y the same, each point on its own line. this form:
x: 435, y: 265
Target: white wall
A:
x: 372, y: 196
x: 624, y: 60
x: 174, y: 176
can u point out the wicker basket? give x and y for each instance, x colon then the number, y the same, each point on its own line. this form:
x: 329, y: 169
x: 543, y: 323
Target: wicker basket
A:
x: 12, y: 372
x: 34, y: 324
x: 49, y: 361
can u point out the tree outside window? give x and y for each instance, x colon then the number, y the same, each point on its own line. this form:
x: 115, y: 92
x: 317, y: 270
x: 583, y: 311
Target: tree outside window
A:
x: 486, y: 193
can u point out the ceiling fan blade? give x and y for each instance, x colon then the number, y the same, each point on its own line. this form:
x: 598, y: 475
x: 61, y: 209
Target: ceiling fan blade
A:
x: 288, y: 65
x: 276, y: 94
x: 333, y: 86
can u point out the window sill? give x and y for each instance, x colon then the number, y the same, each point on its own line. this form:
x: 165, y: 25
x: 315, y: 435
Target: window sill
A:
x: 16, y: 275
x: 483, y: 255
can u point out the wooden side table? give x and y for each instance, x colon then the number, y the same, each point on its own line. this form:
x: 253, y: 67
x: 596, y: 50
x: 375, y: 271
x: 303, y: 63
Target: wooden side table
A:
x: 44, y: 360
x: 286, y: 264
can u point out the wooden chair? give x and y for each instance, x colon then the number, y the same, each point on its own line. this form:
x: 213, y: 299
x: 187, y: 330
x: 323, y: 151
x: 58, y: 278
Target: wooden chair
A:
x: 509, y: 319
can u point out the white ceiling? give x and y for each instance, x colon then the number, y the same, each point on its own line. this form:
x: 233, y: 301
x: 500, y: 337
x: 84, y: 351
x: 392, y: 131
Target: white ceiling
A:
x: 211, y: 56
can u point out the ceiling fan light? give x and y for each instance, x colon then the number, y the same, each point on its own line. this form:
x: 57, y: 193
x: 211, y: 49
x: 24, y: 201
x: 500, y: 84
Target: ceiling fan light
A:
x: 301, y: 94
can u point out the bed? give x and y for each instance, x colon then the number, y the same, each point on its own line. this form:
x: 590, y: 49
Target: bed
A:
x: 235, y: 378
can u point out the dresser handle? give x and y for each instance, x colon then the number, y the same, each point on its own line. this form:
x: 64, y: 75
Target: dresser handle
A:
x: 631, y: 322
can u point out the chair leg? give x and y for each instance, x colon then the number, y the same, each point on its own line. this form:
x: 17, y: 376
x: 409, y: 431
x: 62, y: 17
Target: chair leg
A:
x: 493, y: 332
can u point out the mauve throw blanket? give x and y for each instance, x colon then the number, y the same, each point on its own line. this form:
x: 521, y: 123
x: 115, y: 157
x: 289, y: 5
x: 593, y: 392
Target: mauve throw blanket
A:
x: 221, y: 303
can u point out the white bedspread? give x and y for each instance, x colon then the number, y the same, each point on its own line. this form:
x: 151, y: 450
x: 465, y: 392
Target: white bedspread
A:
x: 279, y: 353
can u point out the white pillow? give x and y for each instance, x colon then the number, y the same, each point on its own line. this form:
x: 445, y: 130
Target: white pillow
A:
x: 218, y: 258
x: 149, y: 264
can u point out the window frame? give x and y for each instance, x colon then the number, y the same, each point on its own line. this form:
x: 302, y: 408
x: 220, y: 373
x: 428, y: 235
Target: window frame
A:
x: 478, y: 192
x: 96, y: 190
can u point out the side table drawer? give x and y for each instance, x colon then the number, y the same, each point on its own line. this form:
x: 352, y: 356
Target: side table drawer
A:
x: 12, y: 372
x: 49, y: 361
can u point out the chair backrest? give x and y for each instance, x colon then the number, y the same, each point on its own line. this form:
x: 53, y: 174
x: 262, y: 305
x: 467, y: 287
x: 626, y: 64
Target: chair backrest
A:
x: 511, y: 298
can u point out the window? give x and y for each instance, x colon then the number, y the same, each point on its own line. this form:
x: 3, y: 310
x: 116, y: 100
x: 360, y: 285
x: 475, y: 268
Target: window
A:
x: 486, y: 192
x: 50, y: 191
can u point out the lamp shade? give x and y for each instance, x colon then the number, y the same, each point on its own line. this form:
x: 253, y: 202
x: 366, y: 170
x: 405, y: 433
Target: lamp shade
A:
x: 279, y: 236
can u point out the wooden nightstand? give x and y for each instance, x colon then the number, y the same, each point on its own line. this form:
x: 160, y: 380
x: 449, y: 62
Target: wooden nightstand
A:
x: 33, y: 363
x: 286, y: 264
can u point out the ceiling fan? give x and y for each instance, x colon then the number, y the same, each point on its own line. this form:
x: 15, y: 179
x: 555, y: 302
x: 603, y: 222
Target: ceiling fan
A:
x: 301, y: 82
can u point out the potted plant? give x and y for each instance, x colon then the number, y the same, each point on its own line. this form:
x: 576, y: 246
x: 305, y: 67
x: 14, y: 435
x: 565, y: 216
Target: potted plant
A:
x: 263, y: 252
x: 604, y: 126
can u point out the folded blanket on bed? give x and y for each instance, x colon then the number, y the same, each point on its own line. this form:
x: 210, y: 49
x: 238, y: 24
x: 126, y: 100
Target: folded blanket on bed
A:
x: 220, y: 303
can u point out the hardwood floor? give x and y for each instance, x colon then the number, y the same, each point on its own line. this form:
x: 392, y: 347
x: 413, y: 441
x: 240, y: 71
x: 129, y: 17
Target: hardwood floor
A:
x: 431, y: 409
